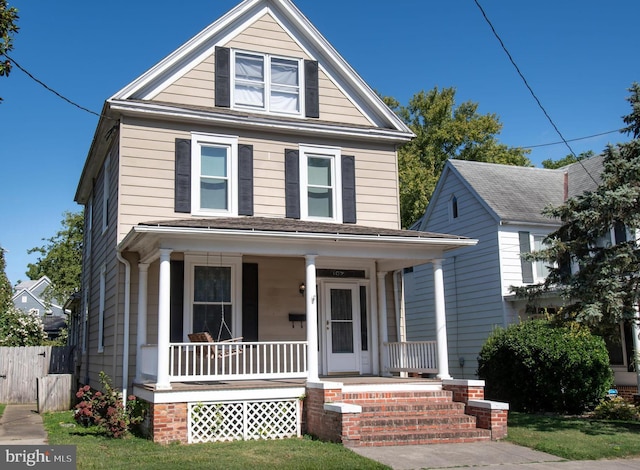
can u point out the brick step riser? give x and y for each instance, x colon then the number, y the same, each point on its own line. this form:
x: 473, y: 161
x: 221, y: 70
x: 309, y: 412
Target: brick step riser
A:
x: 407, y: 438
x: 444, y: 422
x: 455, y: 408
x: 416, y: 442
x: 409, y: 396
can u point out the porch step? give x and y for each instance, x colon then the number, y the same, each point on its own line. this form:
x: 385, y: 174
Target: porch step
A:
x: 413, y: 417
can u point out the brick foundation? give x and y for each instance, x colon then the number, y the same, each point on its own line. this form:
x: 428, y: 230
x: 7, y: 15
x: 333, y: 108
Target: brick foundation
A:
x: 627, y: 391
x: 326, y: 418
x: 168, y: 422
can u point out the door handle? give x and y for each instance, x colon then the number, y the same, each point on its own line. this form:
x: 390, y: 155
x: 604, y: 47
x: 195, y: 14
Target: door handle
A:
x: 43, y: 354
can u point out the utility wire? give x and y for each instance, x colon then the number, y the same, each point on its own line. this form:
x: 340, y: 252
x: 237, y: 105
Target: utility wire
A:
x: 52, y: 90
x: 572, y: 140
x: 495, y: 33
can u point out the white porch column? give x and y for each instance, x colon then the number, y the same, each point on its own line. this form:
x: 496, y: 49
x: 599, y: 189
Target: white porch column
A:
x: 141, y: 329
x: 164, y: 319
x: 312, y: 317
x: 441, y: 320
x: 383, y: 334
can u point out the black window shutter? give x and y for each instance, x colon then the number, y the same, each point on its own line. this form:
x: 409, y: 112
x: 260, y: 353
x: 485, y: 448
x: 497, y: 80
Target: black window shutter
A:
x: 311, y: 95
x: 527, y: 266
x: 223, y: 77
x: 292, y: 183
x: 620, y: 232
x: 182, y: 196
x: 245, y: 179
x: 249, y: 302
x: 348, y: 189
x: 176, y: 306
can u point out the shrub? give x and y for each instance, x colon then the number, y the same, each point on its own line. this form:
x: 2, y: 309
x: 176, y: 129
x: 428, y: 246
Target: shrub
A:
x: 536, y: 366
x: 18, y: 328
x: 106, y: 409
x: 616, y: 408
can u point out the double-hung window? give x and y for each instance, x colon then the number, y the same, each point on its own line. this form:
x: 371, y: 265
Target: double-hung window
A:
x: 214, y: 166
x: 540, y: 270
x: 321, y: 183
x: 266, y: 82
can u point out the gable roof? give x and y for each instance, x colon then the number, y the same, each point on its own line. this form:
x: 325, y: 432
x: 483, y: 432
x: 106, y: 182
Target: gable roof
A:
x: 300, y: 29
x: 515, y: 194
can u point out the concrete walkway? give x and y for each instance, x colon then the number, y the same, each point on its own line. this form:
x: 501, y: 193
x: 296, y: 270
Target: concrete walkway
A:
x: 21, y: 424
x: 502, y: 455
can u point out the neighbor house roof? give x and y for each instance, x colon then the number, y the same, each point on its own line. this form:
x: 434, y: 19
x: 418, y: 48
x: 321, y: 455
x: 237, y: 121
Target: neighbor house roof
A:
x: 520, y: 194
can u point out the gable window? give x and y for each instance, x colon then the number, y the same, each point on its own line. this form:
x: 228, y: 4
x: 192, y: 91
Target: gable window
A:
x: 214, y: 167
x: 320, y: 174
x: 265, y: 82
x: 453, y: 208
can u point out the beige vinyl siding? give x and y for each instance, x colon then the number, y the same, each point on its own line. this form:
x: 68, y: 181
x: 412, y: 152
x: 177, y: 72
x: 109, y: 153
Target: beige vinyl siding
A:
x: 196, y: 87
x: 148, y: 166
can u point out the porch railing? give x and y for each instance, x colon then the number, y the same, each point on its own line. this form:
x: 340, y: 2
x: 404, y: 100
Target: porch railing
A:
x: 237, y: 361
x: 413, y: 356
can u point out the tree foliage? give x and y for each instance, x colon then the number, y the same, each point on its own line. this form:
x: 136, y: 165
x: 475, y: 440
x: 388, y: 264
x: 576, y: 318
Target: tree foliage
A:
x: 6, y: 291
x: 551, y: 164
x: 602, y: 288
x: 61, y: 257
x: 443, y: 131
x: 18, y: 328
x: 8, y: 27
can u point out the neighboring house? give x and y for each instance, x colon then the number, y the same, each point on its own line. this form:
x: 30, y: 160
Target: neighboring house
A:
x: 500, y: 206
x: 246, y: 187
x: 31, y: 297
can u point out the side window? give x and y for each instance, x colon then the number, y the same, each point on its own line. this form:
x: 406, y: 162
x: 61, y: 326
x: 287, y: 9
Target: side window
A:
x: 101, y: 311
x: 105, y: 195
x: 214, y: 161
x: 321, y: 184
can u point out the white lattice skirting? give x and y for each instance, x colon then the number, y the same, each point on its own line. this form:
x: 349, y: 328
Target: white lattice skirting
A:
x: 244, y: 420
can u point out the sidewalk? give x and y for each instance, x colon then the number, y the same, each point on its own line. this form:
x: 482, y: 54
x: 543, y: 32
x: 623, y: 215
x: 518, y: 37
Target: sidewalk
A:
x: 21, y: 424
x: 503, y: 455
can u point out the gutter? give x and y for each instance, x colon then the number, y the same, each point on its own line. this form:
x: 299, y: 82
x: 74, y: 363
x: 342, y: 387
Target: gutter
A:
x: 125, y: 331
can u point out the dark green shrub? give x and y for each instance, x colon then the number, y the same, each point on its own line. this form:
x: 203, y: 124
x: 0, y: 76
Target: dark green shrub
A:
x: 537, y: 366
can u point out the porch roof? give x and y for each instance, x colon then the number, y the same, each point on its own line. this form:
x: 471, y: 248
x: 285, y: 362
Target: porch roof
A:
x: 391, y: 248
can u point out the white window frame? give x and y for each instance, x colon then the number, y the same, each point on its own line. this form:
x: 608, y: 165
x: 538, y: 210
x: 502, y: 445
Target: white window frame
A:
x: 335, y: 154
x: 267, y: 83
x: 105, y: 195
x: 214, y: 260
x: 202, y: 140
x: 101, y: 308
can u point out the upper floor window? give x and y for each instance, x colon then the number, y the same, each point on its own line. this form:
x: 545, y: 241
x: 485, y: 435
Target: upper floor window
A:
x: 105, y: 195
x: 540, y: 269
x: 265, y: 82
x: 214, y: 166
x: 536, y: 271
x: 453, y: 207
x: 321, y: 183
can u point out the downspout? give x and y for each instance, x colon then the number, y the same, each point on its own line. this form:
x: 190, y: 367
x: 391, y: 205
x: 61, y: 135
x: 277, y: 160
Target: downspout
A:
x: 125, y: 331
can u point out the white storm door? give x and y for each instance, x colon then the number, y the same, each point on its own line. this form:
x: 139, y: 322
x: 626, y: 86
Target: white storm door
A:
x: 342, y: 323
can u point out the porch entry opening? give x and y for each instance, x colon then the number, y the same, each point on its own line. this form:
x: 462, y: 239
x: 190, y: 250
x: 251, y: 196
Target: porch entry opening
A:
x: 345, y: 334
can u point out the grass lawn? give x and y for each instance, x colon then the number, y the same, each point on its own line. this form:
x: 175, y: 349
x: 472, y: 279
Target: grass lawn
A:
x: 575, y: 438
x: 96, y: 451
x: 2, y: 407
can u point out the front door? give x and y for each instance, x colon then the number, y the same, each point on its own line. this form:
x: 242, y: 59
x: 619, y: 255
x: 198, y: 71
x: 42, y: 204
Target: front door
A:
x: 342, y: 327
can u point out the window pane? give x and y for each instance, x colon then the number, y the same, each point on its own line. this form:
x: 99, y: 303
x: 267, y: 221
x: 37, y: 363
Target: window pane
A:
x: 209, y: 318
x: 320, y: 202
x: 342, y: 337
x: 285, y: 101
x: 213, y: 161
x: 284, y: 72
x: 212, y: 284
x: 319, y: 171
x: 249, y: 67
x: 249, y: 95
x: 213, y: 194
x: 541, y: 269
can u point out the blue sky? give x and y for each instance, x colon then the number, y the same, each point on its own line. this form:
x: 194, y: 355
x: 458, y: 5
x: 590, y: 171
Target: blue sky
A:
x: 579, y: 56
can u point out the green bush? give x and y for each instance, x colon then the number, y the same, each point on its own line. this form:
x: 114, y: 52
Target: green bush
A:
x: 536, y: 366
x: 616, y: 408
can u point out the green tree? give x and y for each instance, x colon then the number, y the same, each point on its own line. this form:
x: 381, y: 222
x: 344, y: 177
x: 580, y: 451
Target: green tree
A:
x: 551, y: 164
x: 61, y: 257
x: 443, y: 131
x: 604, y: 289
x: 6, y: 291
x: 8, y: 18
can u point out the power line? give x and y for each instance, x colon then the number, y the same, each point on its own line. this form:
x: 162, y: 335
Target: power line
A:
x: 513, y: 62
x: 571, y: 140
x: 40, y: 82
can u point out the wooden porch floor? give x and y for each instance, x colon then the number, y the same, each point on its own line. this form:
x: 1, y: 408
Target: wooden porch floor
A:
x: 287, y: 383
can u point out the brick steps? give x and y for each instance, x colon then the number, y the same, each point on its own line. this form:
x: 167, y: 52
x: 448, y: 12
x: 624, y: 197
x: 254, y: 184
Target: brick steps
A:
x: 413, y: 417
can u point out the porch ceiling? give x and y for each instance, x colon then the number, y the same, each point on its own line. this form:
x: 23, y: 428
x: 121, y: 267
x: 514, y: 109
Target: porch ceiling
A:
x: 391, y: 249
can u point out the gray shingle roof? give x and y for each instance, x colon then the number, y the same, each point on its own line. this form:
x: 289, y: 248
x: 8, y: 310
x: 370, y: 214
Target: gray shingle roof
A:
x: 519, y: 194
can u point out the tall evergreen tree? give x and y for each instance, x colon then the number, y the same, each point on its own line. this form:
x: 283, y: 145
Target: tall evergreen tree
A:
x: 6, y: 291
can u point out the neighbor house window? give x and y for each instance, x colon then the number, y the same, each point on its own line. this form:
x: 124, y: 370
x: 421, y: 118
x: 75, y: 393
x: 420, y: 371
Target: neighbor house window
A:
x: 266, y: 82
x: 105, y: 195
x: 536, y: 271
x: 103, y: 281
x: 321, y: 183
x: 214, y: 167
x: 454, y: 207
x: 540, y: 271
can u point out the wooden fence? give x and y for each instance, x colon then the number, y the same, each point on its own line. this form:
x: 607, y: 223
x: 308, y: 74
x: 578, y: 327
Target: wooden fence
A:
x: 21, y: 367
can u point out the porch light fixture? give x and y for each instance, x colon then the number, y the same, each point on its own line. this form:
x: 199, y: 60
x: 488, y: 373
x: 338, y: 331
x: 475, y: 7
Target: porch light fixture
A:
x: 301, y: 288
